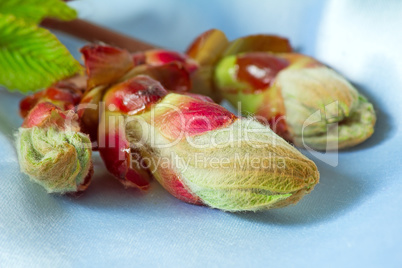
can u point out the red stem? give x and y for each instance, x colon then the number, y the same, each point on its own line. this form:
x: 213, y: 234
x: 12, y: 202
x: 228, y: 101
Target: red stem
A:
x: 94, y: 33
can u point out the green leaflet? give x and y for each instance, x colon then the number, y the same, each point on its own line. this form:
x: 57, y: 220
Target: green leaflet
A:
x: 33, y: 11
x: 31, y: 57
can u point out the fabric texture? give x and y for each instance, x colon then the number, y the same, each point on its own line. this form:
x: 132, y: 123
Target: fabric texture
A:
x: 353, y: 217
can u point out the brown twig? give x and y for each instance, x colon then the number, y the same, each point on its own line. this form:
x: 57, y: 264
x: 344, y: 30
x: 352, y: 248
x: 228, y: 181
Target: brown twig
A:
x: 94, y: 33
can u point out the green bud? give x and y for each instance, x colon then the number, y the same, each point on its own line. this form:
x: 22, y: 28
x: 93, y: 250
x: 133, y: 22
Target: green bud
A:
x: 317, y: 100
x: 56, y: 159
x: 241, y: 166
x: 321, y: 109
x: 245, y: 167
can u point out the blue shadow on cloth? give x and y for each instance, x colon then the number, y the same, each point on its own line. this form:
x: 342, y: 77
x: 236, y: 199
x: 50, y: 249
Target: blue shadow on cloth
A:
x: 336, y: 194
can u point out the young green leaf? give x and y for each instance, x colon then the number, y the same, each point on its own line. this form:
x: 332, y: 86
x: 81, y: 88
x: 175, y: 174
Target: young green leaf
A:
x: 33, y: 11
x: 31, y: 57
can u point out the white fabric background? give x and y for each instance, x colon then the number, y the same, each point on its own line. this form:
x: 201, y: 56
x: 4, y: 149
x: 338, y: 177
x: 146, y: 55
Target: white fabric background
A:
x: 352, y: 219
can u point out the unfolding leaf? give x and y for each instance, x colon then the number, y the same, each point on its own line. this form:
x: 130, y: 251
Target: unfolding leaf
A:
x: 207, y: 48
x: 31, y: 57
x: 33, y: 11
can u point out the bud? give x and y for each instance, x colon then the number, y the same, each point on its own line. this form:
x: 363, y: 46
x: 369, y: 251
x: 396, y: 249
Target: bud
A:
x: 293, y: 87
x: 258, y: 42
x: 213, y: 44
x: 206, y: 50
x: 111, y: 70
x: 203, y: 154
x: 99, y: 59
x: 107, y: 65
x: 157, y: 57
x: 121, y: 100
x: 51, y: 149
x: 312, y: 87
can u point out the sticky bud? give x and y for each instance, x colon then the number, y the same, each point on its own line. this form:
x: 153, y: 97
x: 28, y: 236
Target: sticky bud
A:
x: 305, y: 95
x: 203, y: 154
x: 51, y: 148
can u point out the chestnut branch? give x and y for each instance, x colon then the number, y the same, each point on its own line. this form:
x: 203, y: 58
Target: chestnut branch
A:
x: 94, y: 33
